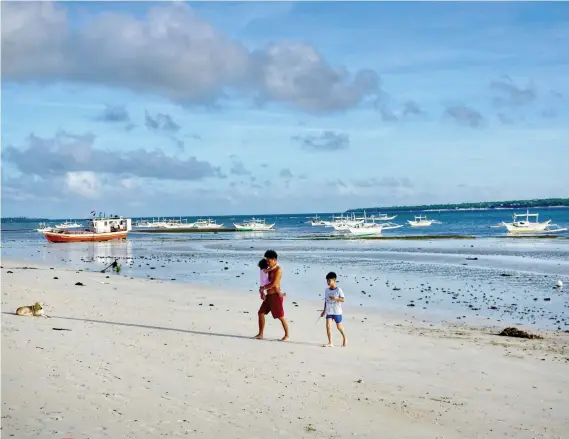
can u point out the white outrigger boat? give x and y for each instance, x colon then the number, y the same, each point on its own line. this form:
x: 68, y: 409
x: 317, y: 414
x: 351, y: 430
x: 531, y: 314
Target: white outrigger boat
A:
x: 207, y: 224
x: 384, y: 217
x: 178, y: 224
x: 521, y: 224
x: 68, y: 225
x: 353, y: 221
x: 163, y: 224
x: 372, y: 229
x: 43, y: 227
x: 422, y: 221
x: 381, y: 217
x: 343, y: 223
x: 316, y: 221
x: 254, y: 225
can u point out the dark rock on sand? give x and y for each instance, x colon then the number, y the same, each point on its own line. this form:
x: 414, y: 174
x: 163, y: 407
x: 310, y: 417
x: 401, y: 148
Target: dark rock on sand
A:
x: 79, y: 284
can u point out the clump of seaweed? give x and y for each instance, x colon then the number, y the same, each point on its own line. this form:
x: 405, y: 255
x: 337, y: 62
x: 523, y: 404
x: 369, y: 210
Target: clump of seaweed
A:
x: 515, y: 332
x: 309, y: 428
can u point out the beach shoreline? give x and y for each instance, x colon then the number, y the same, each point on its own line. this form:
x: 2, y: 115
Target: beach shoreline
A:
x: 412, y: 312
x: 144, y: 358
x: 482, y: 282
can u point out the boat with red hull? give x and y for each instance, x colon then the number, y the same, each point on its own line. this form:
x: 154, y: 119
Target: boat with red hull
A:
x: 100, y: 229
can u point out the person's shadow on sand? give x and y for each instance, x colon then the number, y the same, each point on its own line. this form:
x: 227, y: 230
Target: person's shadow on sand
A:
x: 162, y: 328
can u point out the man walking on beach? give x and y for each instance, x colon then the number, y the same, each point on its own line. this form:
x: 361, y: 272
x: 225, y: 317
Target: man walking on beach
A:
x: 273, y: 302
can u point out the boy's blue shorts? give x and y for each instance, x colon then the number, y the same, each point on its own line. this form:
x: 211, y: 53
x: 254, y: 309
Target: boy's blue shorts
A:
x: 336, y: 317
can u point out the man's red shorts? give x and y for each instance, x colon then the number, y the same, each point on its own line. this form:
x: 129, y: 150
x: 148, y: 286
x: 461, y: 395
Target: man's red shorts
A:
x: 273, y: 303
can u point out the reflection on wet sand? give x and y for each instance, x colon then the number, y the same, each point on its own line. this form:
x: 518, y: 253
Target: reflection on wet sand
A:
x: 100, y: 253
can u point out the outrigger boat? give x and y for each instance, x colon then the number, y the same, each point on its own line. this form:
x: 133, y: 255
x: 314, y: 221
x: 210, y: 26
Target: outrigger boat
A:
x: 378, y: 217
x: 254, y: 225
x: 422, y: 221
x: 521, y: 224
x: 163, y: 224
x: 207, y: 224
x: 344, y: 223
x: 372, y: 229
x: 178, y: 224
x: 43, y: 227
x: 68, y: 225
x: 384, y: 217
x: 99, y: 229
x: 316, y: 221
x: 357, y: 225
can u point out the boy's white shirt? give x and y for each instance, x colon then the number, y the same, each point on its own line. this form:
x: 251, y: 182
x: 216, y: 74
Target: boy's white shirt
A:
x: 333, y: 307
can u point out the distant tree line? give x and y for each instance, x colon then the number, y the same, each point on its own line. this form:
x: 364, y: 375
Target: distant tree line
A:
x: 512, y: 204
x: 20, y: 219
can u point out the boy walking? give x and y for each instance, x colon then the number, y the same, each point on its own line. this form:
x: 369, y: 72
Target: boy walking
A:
x: 333, y: 299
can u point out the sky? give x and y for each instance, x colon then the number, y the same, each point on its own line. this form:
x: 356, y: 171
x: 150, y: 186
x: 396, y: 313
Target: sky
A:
x: 214, y: 108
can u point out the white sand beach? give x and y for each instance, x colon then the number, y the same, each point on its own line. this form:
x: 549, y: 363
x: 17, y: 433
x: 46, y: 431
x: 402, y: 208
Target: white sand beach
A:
x: 146, y: 359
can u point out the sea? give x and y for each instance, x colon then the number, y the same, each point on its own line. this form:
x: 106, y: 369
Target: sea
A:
x: 461, y: 270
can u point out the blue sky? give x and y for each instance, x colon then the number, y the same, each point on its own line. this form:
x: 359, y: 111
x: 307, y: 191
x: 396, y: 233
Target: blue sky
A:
x: 236, y: 108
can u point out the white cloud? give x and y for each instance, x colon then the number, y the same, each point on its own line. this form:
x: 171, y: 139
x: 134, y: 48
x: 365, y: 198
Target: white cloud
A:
x: 86, y: 184
x: 170, y: 52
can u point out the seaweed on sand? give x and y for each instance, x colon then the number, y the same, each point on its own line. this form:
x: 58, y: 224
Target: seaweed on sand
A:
x: 515, y: 332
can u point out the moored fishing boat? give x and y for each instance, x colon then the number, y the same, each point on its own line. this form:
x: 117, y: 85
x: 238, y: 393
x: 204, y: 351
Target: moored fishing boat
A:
x: 68, y: 225
x: 254, y: 225
x: 521, y: 224
x: 99, y: 229
x: 422, y: 221
x: 316, y: 221
x: 206, y: 224
x: 372, y: 228
x: 43, y: 227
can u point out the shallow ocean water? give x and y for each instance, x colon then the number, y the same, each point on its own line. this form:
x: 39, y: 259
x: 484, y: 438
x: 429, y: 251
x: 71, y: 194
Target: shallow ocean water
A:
x: 490, y: 278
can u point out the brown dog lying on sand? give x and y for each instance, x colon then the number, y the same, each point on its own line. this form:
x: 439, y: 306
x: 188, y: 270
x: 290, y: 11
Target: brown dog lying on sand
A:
x: 34, y: 310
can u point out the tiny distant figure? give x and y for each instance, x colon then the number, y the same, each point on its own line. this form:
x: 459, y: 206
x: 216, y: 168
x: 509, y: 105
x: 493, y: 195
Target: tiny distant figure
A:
x: 333, y: 299
x: 264, y: 276
x: 273, y: 301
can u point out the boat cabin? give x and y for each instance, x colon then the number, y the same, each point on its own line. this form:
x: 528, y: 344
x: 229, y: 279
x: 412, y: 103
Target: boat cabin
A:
x: 108, y: 225
x: 526, y: 218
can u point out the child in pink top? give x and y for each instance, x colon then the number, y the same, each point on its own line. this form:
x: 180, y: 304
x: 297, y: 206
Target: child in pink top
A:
x: 264, y: 275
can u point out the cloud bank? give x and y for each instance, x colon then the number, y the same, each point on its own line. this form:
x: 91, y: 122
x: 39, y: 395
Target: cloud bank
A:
x: 65, y: 153
x: 173, y: 53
